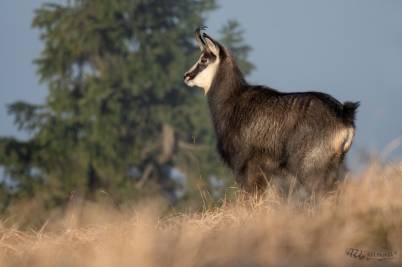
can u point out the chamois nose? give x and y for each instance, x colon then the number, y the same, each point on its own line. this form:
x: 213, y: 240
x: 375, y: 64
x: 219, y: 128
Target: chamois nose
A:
x: 185, y: 75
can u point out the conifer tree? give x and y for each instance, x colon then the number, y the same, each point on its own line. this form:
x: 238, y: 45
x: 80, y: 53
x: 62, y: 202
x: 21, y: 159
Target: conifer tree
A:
x: 118, y: 117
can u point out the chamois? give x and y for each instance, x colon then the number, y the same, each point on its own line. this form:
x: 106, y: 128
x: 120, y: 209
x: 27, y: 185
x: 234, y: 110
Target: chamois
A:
x: 262, y: 133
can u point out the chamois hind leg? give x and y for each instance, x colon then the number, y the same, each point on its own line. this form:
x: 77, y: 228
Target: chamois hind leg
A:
x: 322, y: 179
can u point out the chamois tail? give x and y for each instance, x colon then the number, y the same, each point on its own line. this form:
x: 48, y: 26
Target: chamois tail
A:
x: 349, y: 112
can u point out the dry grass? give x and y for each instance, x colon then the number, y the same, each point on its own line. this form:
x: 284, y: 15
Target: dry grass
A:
x: 366, y: 215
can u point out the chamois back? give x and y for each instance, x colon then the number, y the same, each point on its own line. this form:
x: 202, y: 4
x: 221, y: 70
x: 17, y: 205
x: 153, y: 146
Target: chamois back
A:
x: 262, y: 133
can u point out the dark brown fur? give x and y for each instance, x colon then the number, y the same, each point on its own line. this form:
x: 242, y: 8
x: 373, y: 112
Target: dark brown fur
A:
x: 263, y: 133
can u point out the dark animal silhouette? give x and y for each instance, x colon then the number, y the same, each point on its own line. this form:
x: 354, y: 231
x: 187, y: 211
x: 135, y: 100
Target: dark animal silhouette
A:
x: 263, y: 133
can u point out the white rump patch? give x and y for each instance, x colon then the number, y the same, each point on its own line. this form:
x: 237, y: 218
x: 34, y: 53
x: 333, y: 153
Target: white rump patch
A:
x: 343, y: 139
x: 349, y: 139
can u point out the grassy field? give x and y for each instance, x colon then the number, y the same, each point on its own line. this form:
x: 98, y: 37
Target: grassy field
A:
x: 276, y: 231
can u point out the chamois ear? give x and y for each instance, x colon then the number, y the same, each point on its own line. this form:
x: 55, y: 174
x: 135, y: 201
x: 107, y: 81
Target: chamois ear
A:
x: 211, y: 44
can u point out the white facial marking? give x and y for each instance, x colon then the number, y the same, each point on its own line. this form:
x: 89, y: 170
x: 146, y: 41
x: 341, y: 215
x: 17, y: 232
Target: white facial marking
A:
x: 206, y: 69
x: 205, y: 77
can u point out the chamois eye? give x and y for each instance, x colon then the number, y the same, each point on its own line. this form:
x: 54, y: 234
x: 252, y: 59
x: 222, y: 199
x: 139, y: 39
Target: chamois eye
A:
x: 204, y: 61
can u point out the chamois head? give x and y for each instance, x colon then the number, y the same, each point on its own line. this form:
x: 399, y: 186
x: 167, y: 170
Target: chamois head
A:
x: 203, y: 72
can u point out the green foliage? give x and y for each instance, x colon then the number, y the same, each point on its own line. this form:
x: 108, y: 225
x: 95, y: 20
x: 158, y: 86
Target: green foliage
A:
x: 118, y: 117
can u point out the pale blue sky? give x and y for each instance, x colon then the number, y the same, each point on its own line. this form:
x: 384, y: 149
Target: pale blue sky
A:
x: 349, y: 49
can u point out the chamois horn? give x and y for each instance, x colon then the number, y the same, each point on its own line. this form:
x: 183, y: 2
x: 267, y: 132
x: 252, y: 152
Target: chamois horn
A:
x: 200, y: 41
